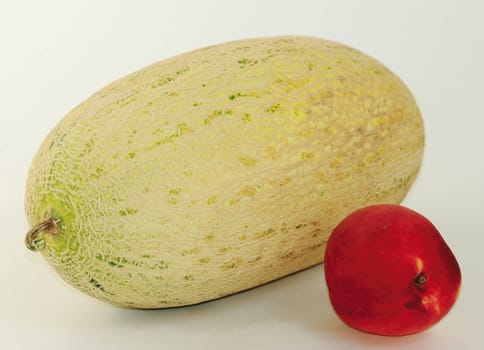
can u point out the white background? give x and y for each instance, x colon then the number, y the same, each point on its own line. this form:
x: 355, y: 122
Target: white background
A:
x: 54, y: 54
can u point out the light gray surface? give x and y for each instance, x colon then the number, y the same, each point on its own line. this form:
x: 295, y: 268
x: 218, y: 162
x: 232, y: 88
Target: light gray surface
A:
x: 55, y: 54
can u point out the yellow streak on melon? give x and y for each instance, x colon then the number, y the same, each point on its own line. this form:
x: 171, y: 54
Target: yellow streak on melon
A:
x: 221, y: 169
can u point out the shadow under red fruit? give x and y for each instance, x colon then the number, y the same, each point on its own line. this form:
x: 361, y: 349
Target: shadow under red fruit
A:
x: 389, y: 271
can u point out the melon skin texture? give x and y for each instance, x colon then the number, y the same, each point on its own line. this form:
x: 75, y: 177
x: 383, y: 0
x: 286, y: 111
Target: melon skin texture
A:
x: 220, y: 169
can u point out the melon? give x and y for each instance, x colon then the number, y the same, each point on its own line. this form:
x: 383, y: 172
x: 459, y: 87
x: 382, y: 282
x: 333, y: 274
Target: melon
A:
x: 220, y: 169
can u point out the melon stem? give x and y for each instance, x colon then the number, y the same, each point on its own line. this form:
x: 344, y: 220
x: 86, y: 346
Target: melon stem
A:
x: 34, y: 240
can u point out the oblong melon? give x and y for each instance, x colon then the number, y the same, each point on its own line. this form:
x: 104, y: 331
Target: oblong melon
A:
x: 220, y: 169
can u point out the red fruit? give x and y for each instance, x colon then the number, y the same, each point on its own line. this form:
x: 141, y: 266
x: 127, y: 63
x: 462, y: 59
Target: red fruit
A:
x: 389, y: 271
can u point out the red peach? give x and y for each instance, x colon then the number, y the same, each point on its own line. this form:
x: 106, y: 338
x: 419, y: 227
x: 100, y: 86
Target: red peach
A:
x: 389, y: 271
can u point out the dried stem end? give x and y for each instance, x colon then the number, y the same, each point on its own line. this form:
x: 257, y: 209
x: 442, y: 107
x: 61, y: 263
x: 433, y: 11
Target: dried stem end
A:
x: 420, y: 280
x: 34, y: 238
